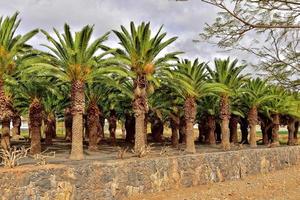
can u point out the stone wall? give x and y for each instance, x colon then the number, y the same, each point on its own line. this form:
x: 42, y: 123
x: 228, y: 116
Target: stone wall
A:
x: 122, y: 178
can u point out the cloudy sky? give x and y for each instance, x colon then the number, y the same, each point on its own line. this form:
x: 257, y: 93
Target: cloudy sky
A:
x: 184, y: 19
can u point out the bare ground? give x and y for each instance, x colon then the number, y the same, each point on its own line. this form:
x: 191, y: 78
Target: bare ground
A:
x: 278, y: 185
x: 107, y: 152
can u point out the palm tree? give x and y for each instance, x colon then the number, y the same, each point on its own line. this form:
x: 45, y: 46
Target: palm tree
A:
x: 28, y: 94
x: 228, y: 74
x: 190, y: 81
x: 53, y: 103
x: 140, y: 56
x: 255, y: 94
x: 12, y: 47
x: 96, y: 94
x: 74, y: 60
x: 283, y: 104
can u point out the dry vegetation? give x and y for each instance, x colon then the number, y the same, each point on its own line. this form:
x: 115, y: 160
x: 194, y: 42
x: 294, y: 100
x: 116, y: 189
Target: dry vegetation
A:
x: 10, y: 158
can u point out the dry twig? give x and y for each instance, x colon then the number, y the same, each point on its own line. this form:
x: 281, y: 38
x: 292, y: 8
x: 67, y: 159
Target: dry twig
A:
x: 11, y: 157
x: 143, y: 151
x: 122, y: 152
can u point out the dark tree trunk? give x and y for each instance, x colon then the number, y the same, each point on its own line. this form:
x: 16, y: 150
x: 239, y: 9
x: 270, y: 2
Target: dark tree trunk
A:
x: 225, y: 116
x: 291, y: 130
x: 174, y: 123
x: 49, y: 128
x: 112, y: 125
x: 266, y: 129
x: 211, y: 124
x: 244, y: 130
x: 93, y: 124
x: 68, y: 124
x: 85, y: 127
x: 129, y: 127
x: 6, y: 110
x: 78, y: 99
x: 102, y: 123
x: 233, y: 127
x: 218, y: 132
x: 296, y: 132
x: 146, y: 127
x: 35, y: 118
x: 190, y: 115
x: 275, y: 129
x: 182, y: 130
x: 54, y: 135
x: 140, y: 108
x: 16, y: 121
x: 252, y: 120
x: 5, y: 138
x: 157, y: 129
x: 6, y: 113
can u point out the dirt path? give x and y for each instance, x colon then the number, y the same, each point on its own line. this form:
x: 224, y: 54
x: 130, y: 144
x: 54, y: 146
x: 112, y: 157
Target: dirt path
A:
x: 279, y: 185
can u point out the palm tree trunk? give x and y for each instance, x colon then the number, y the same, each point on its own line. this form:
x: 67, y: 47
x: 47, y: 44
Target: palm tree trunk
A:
x: 190, y: 115
x: 296, y: 132
x: 102, y: 123
x: 130, y: 127
x: 174, y: 123
x: 93, y: 125
x: 68, y: 124
x: 233, y: 124
x: 275, y: 130
x: 218, y: 132
x: 266, y: 129
x: 252, y: 119
x: 35, y: 121
x: 16, y: 121
x: 5, y: 138
x: 112, y: 126
x: 5, y: 110
x: 50, y: 128
x: 5, y: 115
x: 140, y: 108
x: 225, y: 115
x: 211, y: 124
x: 2, y: 99
x: 182, y: 130
x: 244, y: 130
x: 291, y: 130
x: 77, y: 96
x: 157, y: 129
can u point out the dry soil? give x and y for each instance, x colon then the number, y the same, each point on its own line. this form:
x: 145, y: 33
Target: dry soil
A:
x: 278, y: 185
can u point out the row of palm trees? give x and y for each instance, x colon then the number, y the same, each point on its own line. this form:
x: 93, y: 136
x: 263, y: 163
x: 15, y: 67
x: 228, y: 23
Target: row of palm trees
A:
x: 80, y: 78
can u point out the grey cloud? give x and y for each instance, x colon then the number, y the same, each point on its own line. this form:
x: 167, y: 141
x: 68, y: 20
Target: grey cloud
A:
x: 183, y: 19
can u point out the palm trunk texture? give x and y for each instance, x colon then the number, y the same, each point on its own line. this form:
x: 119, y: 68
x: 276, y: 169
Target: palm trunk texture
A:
x: 140, y: 108
x: 35, y: 121
x: 252, y: 119
x: 77, y: 96
x: 190, y: 115
x: 225, y: 115
x: 50, y: 128
x: 275, y: 130
x: 93, y: 125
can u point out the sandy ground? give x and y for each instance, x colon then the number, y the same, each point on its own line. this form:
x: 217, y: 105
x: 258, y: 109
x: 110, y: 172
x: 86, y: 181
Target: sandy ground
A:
x: 278, y: 185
